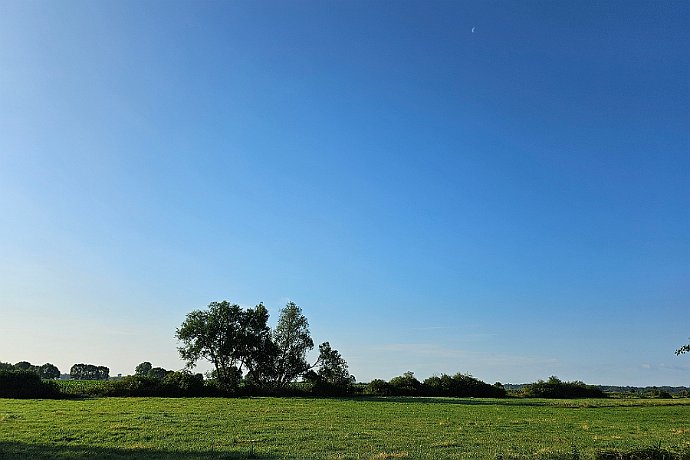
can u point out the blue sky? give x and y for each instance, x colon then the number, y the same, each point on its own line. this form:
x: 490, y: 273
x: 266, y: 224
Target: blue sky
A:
x: 511, y: 201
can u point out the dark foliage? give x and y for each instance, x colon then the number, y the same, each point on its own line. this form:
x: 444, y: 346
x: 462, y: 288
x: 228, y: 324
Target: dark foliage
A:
x: 46, y: 371
x: 461, y: 386
x: 378, y: 387
x: 172, y: 385
x: 89, y: 372
x: 234, y: 340
x: 456, y: 386
x: 556, y: 388
x: 249, y: 357
x: 143, y: 369
x: 49, y: 371
x: 405, y: 385
x: 25, y: 384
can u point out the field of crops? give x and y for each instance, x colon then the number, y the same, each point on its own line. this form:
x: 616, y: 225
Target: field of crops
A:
x: 381, y: 428
x: 78, y: 387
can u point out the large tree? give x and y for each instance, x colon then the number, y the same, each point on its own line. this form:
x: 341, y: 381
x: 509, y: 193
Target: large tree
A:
x: 333, y: 368
x: 292, y: 340
x: 683, y: 349
x: 232, y: 339
x: 239, y: 342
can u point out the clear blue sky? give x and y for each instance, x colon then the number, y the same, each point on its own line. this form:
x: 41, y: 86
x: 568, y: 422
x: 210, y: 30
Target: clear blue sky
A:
x: 500, y: 188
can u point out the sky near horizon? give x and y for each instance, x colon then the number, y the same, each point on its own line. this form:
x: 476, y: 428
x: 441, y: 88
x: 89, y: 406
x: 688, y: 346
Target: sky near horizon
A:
x: 493, y: 187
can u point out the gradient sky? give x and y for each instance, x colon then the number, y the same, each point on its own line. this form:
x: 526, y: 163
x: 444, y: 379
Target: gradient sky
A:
x: 511, y: 201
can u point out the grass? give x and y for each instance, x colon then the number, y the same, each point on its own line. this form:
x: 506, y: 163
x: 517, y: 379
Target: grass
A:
x: 374, y: 428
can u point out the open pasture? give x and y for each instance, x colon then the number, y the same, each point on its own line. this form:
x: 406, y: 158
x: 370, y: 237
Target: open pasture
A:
x: 377, y: 428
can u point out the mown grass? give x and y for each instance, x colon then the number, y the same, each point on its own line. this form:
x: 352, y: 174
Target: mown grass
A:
x: 374, y: 428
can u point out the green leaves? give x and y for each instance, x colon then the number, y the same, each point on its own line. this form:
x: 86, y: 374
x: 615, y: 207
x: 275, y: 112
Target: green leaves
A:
x: 221, y: 335
x: 239, y: 342
x: 292, y: 340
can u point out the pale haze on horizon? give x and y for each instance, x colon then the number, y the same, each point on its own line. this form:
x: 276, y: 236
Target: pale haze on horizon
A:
x: 494, y: 188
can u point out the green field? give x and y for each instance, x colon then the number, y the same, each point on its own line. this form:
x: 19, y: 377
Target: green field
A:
x: 289, y: 428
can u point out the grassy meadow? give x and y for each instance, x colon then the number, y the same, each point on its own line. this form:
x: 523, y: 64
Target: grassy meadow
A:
x: 367, y: 428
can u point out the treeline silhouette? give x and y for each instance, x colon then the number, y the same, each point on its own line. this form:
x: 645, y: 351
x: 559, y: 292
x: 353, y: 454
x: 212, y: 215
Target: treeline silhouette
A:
x: 458, y: 386
x: 17, y: 383
x: 555, y: 388
x: 26, y: 384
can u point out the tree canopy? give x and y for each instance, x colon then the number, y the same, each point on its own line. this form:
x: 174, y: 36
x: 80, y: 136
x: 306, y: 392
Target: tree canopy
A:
x: 232, y: 339
x: 49, y: 371
x: 89, y: 372
x: 292, y: 341
x: 143, y: 369
x: 239, y: 343
x: 333, y: 368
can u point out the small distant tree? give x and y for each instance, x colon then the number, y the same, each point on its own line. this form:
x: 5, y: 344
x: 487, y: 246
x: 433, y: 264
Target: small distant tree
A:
x: 378, y: 387
x: 49, y: 371
x: 158, y: 373
x: 24, y: 366
x: 405, y: 385
x: 89, y: 372
x: 77, y: 372
x: 25, y: 384
x: 143, y: 369
x: 102, y: 373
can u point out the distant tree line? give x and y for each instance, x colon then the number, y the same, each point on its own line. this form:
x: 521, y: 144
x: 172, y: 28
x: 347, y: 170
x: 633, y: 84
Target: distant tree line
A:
x: 89, y: 372
x: 558, y: 389
x: 458, y: 386
x: 250, y: 358
x: 47, y: 371
x: 156, y: 382
x: 23, y: 380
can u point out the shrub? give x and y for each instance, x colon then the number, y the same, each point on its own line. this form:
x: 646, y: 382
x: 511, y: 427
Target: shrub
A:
x: 174, y: 384
x: 130, y: 385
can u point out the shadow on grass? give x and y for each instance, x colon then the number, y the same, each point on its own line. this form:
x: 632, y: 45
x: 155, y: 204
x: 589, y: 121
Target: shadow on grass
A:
x: 450, y: 400
x: 17, y: 450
